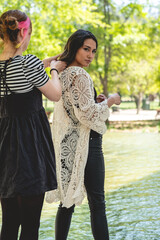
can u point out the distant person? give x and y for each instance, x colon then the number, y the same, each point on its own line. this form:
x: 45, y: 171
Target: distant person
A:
x: 119, y: 94
x: 78, y: 124
x: 27, y: 161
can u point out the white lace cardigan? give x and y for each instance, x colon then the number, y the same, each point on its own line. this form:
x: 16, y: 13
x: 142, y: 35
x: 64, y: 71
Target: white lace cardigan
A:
x: 74, y: 116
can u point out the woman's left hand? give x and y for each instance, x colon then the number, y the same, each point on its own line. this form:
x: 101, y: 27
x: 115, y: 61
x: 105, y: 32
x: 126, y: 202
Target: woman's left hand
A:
x: 100, y: 98
x: 59, y: 65
x: 47, y: 61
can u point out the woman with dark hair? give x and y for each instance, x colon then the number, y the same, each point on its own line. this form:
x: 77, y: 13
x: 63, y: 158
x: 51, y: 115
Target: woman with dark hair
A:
x: 78, y: 124
x: 27, y: 162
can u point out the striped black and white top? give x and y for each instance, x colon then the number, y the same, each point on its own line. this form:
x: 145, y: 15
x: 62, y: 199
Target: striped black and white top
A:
x: 23, y: 73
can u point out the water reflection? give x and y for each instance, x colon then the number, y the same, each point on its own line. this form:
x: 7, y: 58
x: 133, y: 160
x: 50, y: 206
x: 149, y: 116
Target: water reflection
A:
x: 134, y: 210
x: 132, y: 185
x: 132, y: 191
x: 130, y: 157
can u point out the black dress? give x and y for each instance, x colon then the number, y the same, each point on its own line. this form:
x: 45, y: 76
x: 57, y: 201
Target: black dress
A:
x: 27, y: 161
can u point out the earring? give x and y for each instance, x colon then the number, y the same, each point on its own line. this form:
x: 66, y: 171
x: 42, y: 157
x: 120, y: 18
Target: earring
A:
x: 18, y: 45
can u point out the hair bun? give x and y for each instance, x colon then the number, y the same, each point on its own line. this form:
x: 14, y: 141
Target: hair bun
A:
x: 11, y: 22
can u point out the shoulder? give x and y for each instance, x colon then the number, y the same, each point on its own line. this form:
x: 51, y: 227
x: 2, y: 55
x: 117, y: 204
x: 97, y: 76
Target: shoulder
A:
x: 76, y: 71
x: 32, y: 61
x: 72, y: 73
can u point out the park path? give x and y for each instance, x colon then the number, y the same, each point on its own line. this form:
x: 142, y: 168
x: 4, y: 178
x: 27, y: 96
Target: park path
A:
x: 130, y: 115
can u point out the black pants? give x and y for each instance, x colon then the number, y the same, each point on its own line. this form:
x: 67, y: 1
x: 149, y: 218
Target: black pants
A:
x: 24, y: 211
x: 94, y: 183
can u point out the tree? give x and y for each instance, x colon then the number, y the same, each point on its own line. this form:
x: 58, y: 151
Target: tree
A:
x: 128, y: 38
x: 53, y: 21
x: 139, y: 80
x: 158, y: 81
x: 101, y: 67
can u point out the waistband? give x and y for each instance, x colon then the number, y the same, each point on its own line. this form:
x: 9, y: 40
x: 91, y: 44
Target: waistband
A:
x: 20, y: 104
x: 94, y: 134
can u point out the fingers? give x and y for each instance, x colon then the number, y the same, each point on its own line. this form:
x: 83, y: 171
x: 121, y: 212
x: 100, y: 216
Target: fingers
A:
x: 48, y: 61
x: 100, y: 99
x: 55, y: 57
x: 117, y: 98
x: 102, y: 95
x: 59, y: 65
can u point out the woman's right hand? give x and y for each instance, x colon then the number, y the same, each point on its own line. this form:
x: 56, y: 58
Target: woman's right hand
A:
x: 59, y: 65
x: 114, y: 99
x: 47, y: 61
x: 52, y: 89
x: 117, y: 98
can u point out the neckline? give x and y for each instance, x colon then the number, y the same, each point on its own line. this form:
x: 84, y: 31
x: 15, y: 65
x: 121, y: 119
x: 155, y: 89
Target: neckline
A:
x: 73, y: 67
x: 67, y: 69
x: 10, y: 58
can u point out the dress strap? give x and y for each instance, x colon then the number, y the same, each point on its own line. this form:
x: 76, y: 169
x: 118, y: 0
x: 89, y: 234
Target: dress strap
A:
x: 3, y: 79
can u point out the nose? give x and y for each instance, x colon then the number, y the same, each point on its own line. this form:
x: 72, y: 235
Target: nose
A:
x: 90, y: 55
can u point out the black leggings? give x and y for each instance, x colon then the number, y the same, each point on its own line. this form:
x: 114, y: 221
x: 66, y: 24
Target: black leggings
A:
x: 24, y: 211
x: 94, y: 183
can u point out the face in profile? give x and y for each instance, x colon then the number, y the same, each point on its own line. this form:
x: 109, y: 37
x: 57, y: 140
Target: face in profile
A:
x: 85, y: 54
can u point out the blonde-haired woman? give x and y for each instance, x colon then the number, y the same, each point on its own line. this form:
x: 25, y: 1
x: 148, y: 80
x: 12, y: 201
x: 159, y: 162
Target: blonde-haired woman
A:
x: 27, y: 164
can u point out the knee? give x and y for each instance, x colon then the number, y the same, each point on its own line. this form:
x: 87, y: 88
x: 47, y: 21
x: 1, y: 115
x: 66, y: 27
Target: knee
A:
x: 65, y: 210
x: 96, y: 201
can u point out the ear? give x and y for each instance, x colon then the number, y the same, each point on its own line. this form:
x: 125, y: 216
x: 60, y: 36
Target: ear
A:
x: 22, y: 32
x: 20, y: 35
x: 20, y: 38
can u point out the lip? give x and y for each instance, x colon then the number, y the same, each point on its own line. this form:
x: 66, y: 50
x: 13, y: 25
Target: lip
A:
x: 88, y: 61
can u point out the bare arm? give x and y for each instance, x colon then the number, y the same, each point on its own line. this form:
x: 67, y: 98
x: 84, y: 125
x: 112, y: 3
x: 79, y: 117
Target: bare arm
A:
x: 113, y: 99
x: 52, y: 89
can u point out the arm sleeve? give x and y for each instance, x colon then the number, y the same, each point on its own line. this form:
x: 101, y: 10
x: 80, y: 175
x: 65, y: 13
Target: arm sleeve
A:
x: 91, y: 114
x: 34, y: 71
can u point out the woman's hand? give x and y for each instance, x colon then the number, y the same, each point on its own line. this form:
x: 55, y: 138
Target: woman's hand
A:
x: 100, y: 98
x: 52, y: 89
x: 117, y: 98
x: 114, y: 99
x: 47, y: 61
x: 59, y: 65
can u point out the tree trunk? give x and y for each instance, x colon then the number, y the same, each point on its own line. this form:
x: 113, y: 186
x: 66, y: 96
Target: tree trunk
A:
x: 107, y: 47
x: 138, y: 101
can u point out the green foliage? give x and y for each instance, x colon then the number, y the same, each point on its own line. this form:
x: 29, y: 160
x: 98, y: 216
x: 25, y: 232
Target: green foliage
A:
x: 53, y: 21
x: 158, y: 76
x: 128, y: 55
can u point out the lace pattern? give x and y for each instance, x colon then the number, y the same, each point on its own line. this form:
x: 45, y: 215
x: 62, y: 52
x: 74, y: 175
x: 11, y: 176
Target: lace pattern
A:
x: 74, y: 116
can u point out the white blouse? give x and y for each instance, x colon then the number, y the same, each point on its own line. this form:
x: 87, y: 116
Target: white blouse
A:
x: 74, y: 116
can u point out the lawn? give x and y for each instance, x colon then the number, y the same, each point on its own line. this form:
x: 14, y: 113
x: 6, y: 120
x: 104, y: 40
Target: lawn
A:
x: 154, y: 105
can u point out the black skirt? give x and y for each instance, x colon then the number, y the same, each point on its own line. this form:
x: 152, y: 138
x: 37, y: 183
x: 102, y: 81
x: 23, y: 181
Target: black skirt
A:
x: 27, y: 160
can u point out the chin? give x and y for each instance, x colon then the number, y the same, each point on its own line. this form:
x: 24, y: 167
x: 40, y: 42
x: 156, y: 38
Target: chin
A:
x: 86, y: 65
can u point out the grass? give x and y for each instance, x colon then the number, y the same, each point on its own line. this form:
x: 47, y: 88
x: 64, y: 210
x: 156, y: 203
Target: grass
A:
x: 141, y: 126
x: 127, y: 105
x: 154, y: 105
x: 159, y: 127
x: 48, y: 105
x: 149, y: 126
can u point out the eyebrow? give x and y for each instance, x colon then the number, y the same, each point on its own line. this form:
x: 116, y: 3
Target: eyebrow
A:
x: 90, y: 47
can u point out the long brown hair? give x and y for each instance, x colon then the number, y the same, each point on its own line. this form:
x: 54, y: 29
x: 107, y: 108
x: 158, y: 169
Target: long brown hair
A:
x: 75, y: 42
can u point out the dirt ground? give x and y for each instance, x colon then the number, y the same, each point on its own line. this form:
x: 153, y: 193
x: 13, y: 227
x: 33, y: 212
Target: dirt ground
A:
x: 130, y: 115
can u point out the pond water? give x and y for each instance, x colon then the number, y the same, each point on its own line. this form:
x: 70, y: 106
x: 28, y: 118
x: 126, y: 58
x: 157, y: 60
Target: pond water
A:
x: 132, y: 187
